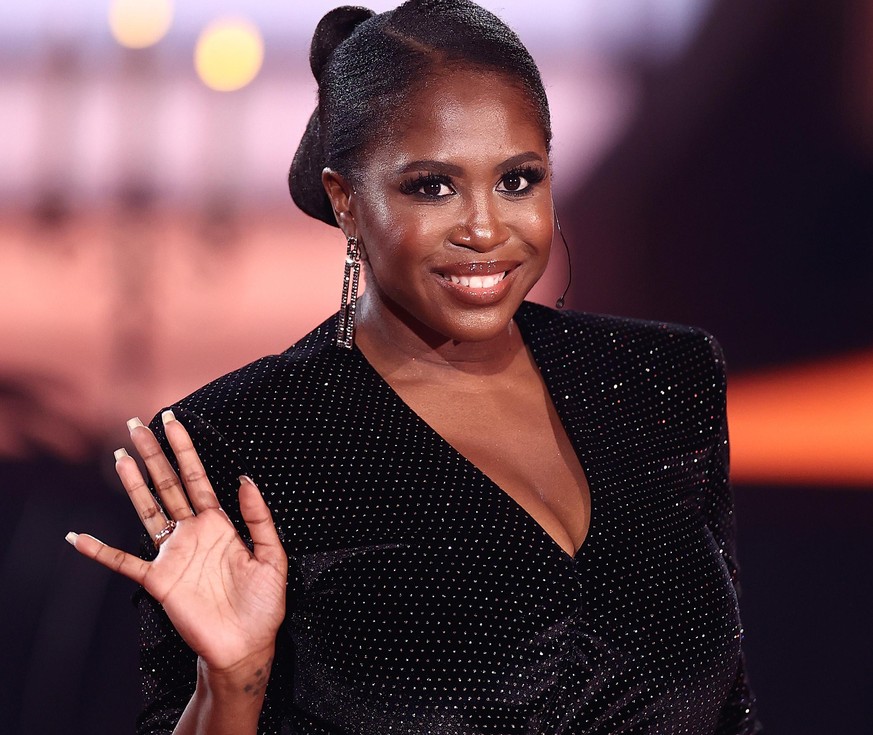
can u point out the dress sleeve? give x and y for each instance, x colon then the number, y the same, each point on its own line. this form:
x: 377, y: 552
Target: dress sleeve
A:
x: 168, y: 667
x: 739, y: 713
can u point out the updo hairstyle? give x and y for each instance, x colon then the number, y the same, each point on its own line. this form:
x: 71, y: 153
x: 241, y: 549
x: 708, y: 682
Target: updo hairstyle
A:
x: 368, y: 67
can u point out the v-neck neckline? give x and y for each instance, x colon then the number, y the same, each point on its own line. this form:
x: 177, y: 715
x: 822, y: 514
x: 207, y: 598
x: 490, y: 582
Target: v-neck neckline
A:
x: 521, y: 319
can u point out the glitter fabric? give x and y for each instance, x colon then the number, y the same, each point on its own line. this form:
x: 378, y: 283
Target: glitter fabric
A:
x: 423, y: 599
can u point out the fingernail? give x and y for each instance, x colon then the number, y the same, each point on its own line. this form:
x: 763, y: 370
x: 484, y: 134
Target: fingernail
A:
x: 71, y: 538
x: 119, y: 453
x: 133, y: 423
x: 167, y: 416
x: 246, y: 478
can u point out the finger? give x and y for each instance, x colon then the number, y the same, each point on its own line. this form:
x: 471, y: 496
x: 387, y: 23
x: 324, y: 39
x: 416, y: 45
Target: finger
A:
x: 191, y: 469
x: 164, y: 479
x: 150, y: 513
x: 259, y: 521
x: 117, y: 560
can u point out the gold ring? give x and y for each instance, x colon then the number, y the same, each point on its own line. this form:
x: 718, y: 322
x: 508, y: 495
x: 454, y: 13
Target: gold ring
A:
x: 164, y: 533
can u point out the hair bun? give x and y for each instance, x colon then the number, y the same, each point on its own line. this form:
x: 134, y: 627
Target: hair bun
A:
x: 334, y: 28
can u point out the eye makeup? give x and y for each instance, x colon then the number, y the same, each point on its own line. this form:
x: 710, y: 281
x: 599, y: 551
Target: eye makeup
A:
x: 517, y: 181
x: 428, y: 185
x: 522, y: 179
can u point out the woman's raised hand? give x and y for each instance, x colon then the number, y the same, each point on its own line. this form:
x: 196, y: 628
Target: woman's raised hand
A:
x: 225, y: 601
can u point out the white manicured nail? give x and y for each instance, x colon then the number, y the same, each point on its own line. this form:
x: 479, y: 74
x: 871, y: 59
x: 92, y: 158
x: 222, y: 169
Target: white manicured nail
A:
x: 71, y: 538
x: 168, y: 416
x: 133, y: 423
x: 119, y: 453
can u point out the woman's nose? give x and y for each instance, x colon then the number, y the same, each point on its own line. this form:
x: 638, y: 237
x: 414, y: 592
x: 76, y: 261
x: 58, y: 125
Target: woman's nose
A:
x: 482, y: 227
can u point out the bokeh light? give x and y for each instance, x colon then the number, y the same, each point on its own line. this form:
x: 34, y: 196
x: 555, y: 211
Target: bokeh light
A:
x: 140, y: 23
x: 229, y: 54
x: 808, y: 424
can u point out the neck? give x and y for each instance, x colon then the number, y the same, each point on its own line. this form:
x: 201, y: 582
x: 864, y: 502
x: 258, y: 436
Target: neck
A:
x: 396, y: 345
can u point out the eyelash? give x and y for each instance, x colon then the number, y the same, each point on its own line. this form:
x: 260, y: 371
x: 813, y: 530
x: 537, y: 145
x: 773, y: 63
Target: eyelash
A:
x: 533, y: 175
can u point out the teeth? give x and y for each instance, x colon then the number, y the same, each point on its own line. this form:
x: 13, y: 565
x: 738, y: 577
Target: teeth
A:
x: 477, y: 281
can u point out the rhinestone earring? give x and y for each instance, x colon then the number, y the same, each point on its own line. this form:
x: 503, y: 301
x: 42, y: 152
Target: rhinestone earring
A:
x: 345, y: 336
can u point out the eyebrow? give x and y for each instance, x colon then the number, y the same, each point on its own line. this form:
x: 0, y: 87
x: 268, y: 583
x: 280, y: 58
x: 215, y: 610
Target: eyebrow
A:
x: 450, y: 169
x: 440, y: 167
x: 511, y: 163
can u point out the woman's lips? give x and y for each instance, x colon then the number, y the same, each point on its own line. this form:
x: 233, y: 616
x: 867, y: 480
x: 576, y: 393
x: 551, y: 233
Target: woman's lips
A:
x: 477, y: 268
x: 479, y: 283
x: 476, y: 281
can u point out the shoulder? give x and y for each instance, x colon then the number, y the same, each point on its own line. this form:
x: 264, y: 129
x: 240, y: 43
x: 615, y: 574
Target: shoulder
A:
x: 544, y: 322
x: 608, y: 336
x: 599, y: 349
x: 258, y: 388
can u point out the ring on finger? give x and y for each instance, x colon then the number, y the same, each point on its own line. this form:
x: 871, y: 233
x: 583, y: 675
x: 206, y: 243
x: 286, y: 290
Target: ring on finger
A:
x: 164, y: 533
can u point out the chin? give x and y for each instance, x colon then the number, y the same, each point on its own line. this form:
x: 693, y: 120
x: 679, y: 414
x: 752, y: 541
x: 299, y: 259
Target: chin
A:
x: 479, y: 325
x: 441, y: 321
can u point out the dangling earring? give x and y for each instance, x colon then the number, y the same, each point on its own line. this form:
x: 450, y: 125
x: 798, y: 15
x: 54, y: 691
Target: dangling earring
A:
x: 345, y: 335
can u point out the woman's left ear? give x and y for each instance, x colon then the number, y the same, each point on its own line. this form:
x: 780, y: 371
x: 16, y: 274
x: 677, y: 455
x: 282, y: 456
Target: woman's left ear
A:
x: 339, y: 191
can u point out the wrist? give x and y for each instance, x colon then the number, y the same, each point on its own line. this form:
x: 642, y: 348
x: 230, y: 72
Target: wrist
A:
x: 228, y: 701
x: 245, y: 679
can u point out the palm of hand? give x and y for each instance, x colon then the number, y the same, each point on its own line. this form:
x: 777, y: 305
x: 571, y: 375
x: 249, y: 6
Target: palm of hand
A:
x: 221, y: 599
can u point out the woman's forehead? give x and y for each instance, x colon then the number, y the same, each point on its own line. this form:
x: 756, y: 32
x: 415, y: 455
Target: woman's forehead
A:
x: 464, y: 110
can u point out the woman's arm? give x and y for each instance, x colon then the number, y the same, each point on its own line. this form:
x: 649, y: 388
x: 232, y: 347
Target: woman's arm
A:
x: 739, y: 713
x: 227, y: 702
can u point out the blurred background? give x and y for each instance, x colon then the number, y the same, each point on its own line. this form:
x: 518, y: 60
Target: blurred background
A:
x: 713, y: 166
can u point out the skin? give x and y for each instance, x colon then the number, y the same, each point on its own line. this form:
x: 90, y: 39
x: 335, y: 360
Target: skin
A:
x: 451, y: 351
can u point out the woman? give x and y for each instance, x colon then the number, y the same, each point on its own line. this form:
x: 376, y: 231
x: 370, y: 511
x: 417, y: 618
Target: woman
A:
x: 440, y: 560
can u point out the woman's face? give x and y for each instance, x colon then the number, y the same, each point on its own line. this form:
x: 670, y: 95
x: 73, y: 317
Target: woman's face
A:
x: 454, y: 209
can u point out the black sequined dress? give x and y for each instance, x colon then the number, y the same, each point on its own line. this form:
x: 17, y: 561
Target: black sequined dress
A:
x: 423, y: 599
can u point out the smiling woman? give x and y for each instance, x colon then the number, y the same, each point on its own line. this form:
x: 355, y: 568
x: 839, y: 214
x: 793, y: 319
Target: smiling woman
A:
x: 445, y: 510
x: 462, y: 193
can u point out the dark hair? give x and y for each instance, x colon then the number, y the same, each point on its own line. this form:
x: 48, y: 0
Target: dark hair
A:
x: 367, y: 66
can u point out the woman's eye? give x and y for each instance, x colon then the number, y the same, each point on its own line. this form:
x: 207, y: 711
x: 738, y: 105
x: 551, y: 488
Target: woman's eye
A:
x: 435, y: 189
x: 429, y: 187
x: 513, y: 182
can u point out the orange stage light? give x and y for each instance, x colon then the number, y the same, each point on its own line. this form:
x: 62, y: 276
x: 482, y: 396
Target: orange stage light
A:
x: 810, y: 424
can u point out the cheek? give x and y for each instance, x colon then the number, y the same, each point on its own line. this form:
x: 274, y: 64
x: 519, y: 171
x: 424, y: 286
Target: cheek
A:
x: 396, y: 234
x: 538, y: 227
